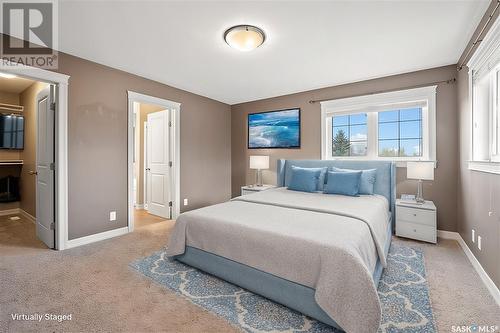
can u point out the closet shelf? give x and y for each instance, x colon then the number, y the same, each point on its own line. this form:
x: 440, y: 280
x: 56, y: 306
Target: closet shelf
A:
x: 11, y: 162
x: 11, y: 107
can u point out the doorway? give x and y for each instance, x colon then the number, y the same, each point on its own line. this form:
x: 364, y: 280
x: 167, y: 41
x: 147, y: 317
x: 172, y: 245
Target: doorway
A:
x: 27, y: 163
x: 153, y: 160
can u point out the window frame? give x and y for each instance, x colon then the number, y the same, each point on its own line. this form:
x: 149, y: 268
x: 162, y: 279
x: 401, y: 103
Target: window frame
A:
x: 371, y: 104
x: 485, y: 63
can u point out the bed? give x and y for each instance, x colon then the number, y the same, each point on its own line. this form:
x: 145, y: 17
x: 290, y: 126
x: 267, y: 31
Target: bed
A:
x: 319, y: 254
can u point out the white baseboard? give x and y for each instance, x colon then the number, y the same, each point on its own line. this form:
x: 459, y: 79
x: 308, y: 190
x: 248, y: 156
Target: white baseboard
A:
x: 141, y: 206
x: 10, y: 211
x: 20, y: 211
x: 488, y: 282
x: 96, y: 237
x: 27, y: 215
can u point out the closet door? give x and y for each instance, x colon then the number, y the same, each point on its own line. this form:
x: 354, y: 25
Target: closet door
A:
x: 45, y: 220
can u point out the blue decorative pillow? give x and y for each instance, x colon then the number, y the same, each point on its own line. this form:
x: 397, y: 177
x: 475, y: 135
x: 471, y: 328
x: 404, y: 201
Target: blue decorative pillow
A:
x: 307, y: 179
x: 345, y: 183
x: 367, y: 182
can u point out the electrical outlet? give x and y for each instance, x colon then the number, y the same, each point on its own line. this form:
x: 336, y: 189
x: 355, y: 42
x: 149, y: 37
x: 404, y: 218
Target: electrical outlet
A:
x: 473, y: 236
x: 185, y: 202
x: 490, y: 214
x: 479, y: 242
x: 112, y: 216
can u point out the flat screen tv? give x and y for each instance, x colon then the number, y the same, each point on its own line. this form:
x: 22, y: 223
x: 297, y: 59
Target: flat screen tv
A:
x: 274, y: 129
x: 11, y: 131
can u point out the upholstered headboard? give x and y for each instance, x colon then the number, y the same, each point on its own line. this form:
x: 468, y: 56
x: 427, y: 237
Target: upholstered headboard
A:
x: 385, y: 183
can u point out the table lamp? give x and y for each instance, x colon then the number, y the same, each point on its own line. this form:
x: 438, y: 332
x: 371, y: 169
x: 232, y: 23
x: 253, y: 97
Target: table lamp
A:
x: 420, y: 171
x: 259, y: 163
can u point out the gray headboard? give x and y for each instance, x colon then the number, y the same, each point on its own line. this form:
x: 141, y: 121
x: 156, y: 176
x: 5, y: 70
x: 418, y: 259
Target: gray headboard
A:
x: 386, y: 174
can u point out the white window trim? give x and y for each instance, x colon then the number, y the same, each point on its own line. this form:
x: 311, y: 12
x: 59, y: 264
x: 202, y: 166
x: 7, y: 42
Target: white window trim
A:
x: 485, y: 166
x: 370, y: 104
x: 484, y: 53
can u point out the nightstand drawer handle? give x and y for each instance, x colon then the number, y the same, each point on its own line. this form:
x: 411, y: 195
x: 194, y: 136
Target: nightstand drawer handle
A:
x: 414, y: 214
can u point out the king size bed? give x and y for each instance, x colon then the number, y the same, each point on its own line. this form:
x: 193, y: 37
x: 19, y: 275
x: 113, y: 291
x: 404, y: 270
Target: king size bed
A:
x: 320, y: 254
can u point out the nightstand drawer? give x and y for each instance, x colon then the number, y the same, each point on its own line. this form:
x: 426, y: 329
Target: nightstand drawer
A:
x: 416, y: 231
x: 415, y: 215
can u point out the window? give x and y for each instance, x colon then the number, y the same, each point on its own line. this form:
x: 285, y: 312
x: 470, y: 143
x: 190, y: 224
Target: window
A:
x: 484, y: 73
x: 400, y: 133
x: 349, y: 136
x: 396, y: 126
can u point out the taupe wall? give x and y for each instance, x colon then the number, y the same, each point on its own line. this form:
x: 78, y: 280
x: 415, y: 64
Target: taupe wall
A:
x: 441, y: 190
x: 9, y: 98
x: 478, y: 192
x: 28, y: 154
x: 98, y: 144
x: 145, y: 109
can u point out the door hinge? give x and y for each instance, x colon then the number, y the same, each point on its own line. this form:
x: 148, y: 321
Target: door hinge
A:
x: 170, y: 204
x: 170, y: 164
x: 170, y: 123
x: 53, y: 106
x: 52, y: 166
x: 52, y: 226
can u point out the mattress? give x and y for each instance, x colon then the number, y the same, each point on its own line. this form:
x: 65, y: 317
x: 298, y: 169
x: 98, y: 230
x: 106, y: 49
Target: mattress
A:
x: 329, y: 244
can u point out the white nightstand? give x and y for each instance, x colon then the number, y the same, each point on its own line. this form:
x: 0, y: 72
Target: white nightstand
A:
x: 249, y: 189
x: 416, y: 221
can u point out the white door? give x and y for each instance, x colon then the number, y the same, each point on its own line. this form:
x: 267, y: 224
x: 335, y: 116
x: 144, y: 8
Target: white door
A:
x: 45, y: 220
x: 157, y: 164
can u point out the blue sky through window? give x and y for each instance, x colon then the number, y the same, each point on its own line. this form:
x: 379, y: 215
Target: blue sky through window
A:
x: 399, y: 133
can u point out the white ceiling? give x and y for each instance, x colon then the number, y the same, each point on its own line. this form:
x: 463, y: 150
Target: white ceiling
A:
x: 309, y: 44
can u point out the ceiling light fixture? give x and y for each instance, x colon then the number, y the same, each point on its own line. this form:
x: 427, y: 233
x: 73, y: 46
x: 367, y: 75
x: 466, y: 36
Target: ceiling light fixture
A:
x: 7, y: 75
x: 244, y: 37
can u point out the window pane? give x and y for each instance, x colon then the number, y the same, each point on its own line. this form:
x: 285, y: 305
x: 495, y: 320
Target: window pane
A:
x: 410, y: 148
x: 340, y: 120
x: 358, y: 133
x: 411, y: 114
x: 410, y: 129
x: 386, y: 116
x: 388, y: 131
x: 402, y: 137
x: 358, y: 119
x: 344, y: 129
x: 349, y: 135
x: 388, y: 148
x: 359, y: 148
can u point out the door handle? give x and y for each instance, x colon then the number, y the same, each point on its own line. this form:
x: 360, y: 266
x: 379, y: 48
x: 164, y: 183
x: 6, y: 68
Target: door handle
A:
x: 33, y: 172
x: 148, y: 169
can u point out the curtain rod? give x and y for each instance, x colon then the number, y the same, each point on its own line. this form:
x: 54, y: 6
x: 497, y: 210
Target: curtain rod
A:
x: 477, y: 41
x: 449, y: 81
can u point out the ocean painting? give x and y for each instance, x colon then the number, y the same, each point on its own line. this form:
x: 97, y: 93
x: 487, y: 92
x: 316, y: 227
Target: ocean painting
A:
x: 275, y: 129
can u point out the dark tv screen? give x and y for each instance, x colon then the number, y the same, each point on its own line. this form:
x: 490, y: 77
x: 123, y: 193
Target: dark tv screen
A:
x: 274, y: 129
x: 11, y: 131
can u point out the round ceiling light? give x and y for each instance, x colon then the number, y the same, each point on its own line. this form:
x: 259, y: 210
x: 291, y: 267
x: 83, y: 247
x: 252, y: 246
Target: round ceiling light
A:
x: 244, y: 37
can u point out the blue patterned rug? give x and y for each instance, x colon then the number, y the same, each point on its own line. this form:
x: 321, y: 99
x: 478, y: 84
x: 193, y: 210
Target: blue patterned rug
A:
x: 403, y: 293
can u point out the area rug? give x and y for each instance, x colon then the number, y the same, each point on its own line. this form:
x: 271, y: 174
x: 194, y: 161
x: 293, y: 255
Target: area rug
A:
x: 403, y: 293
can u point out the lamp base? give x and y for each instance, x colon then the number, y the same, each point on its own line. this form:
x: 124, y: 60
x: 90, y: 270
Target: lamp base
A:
x: 419, y: 198
x: 258, y: 177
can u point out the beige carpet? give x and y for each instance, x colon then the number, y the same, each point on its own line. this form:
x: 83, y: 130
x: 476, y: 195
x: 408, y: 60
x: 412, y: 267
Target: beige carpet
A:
x: 96, y: 286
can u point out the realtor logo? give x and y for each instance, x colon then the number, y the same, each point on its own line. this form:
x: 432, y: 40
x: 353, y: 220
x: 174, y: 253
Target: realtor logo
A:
x: 29, y: 33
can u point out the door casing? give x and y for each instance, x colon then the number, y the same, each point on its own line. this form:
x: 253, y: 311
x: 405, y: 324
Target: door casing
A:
x: 61, y: 82
x: 174, y: 148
